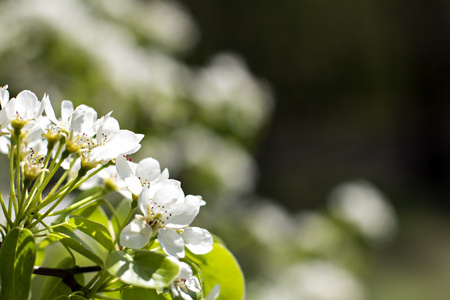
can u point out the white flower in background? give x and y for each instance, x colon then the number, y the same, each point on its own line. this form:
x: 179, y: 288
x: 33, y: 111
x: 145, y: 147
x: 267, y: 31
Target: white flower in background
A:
x: 227, y: 92
x: 316, y: 233
x: 265, y: 231
x: 311, y: 280
x: 183, y: 282
x: 163, y: 21
x: 167, y: 212
x: 362, y: 205
x: 147, y: 171
x: 228, y: 162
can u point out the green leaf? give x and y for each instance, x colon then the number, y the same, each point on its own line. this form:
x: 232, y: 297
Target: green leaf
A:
x: 98, y: 215
x: 76, y: 246
x: 141, y: 293
x: 17, y: 257
x: 121, y: 212
x: 220, y: 267
x: 93, y: 229
x: 142, y: 268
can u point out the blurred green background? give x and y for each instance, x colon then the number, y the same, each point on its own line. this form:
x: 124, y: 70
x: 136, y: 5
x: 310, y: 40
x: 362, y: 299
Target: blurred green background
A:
x: 265, y: 108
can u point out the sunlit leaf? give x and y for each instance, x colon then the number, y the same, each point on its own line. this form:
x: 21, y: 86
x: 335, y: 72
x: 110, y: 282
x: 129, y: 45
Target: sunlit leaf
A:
x: 93, y: 229
x: 142, y: 268
x: 76, y: 246
x: 220, y: 267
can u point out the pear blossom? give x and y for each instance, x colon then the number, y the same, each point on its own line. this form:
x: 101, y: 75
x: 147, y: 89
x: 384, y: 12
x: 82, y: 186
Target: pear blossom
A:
x: 183, y: 282
x: 110, y: 142
x: 97, y: 140
x: 33, y: 165
x: 167, y: 213
x: 78, y: 121
x: 4, y: 98
x: 78, y: 126
x: 147, y: 171
x: 21, y: 110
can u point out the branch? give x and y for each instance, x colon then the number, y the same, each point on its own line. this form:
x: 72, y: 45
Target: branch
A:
x: 67, y: 275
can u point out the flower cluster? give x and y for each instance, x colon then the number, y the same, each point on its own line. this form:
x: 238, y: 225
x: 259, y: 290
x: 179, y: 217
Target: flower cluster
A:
x: 90, y: 148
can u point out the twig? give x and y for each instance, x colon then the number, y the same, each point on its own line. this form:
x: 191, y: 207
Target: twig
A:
x: 67, y: 275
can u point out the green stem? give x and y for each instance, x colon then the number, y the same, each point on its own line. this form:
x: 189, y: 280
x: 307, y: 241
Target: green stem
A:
x: 12, y: 192
x: 37, y: 183
x: 90, y: 175
x: 85, y: 201
x: 68, y: 190
x: 6, y: 212
x: 18, y: 182
x: 31, y: 207
x: 104, y: 277
x: 113, y: 211
x: 63, y: 177
x: 116, y: 240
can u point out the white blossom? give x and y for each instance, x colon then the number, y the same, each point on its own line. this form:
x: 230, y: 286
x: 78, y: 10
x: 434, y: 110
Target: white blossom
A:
x: 183, y: 282
x: 147, y: 171
x: 167, y: 212
x: 22, y: 110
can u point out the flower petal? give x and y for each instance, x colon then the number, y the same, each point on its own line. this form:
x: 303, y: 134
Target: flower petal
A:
x: 180, y: 215
x: 50, y: 112
x: 4, y: 96
x: 66, y: 111
x: 171, y: 242
x: 126, y: 170
x: 144, y: 201
x: 27, y: 105
x: 148, y: 169
x: 118, y: 143
x: 167, y: 193
x: 135, y: 235
x: 198, y: 240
